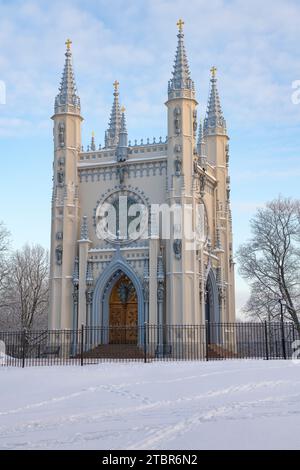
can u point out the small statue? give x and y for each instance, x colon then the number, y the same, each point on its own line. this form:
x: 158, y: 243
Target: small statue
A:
x: 60, y: 176
x: 177, y: 113
x: 121, y: 173
x: 177, y: 125
x: 177, y: 164
x: 177, y: 247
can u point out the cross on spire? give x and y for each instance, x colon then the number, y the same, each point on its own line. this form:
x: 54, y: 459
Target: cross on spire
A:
x: 116, y: 85
x: 68, y: 44
x: 180, y: 24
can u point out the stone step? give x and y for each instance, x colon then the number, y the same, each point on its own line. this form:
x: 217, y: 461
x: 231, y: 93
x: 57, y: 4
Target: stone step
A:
x: 215, y: 351
x: 115, y: 351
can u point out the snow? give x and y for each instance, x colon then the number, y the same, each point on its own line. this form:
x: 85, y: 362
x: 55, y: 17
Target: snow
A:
x: 168, y: 405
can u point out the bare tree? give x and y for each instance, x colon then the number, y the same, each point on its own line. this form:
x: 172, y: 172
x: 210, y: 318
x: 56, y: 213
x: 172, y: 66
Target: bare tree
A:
x: 262, y: 304
x: 26, y: 287
x: 270, y: 260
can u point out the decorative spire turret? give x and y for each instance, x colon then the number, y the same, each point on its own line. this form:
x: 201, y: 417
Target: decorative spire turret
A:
x: 112, y: 133
x: 181, y: 79
x: 214, y: 122
x: 75, y: 276
x: 67, y: 98
x: 122, y: 149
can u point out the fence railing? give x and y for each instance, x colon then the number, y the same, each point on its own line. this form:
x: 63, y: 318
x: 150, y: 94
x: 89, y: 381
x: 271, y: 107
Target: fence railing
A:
x: 210, y: 341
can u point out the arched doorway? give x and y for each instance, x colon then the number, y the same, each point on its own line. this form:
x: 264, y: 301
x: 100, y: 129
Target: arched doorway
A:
x: 212, y: 310
x: 123, y: 312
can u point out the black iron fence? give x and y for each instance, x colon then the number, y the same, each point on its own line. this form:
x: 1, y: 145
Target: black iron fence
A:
x: 89, y: 345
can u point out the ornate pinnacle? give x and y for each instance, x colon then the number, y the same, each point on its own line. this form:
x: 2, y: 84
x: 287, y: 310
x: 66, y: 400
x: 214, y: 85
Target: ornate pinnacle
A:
x: 181, y: 79
x: 67, y: 95
x: 84, y: 229
x: 93, y: 145
x: 112, y: 133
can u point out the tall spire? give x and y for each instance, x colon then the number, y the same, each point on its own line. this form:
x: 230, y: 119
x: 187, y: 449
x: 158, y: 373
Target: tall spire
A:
x: 67, y: 95
x: 122, y: 149
x: 214, y: 121
x: 181, y: 79
x: 112, y: 133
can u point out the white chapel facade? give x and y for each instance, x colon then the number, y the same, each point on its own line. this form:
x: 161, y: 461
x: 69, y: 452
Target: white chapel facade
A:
x: 107, y: 282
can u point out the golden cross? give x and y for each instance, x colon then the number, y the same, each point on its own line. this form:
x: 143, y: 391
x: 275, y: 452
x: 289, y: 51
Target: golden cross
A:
x: 123, y: 109
x: 116, y: 85
x: 180, y: 24
x: 68, y: 44
x: 93, y: 134
x: 213, y: 71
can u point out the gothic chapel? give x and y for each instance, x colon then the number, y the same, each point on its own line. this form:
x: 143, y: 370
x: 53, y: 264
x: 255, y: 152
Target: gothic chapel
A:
x: 122, y: 281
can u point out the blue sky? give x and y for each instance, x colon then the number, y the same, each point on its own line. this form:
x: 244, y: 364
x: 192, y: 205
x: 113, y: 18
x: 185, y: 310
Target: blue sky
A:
x: 255, y: 46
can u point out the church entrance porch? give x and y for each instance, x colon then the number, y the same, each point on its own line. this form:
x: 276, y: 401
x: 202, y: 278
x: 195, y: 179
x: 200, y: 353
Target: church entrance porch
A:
x: 123, y: 312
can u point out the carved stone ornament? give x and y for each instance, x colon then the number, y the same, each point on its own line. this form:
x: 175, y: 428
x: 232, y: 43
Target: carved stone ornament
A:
x: 195, y: 124
x: 177, y: 113
x: 177, y: 247
x: 89, y: 297
x: 160, y: 291
x: 177, y: 164
x: 121, y: 173
x: 59, y: 235
x: 60, y: 176
x: 195, y: 165
x: 61, y: 134
x: 202, y: 184
x: 58, y: 254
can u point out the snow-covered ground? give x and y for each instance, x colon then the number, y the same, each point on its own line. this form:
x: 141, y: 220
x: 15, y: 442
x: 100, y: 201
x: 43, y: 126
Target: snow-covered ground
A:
x: 189, y: 405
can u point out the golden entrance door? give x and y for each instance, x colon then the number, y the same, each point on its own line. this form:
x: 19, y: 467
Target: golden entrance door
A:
x: 123, y: 312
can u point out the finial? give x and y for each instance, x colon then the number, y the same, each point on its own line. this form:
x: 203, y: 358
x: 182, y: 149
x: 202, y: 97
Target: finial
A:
x: 213, y: 71
x: 116, y: 85
x: 123, y: 109
x: 93, y: 134
x: 68, y: 44
x: 180, y: 24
